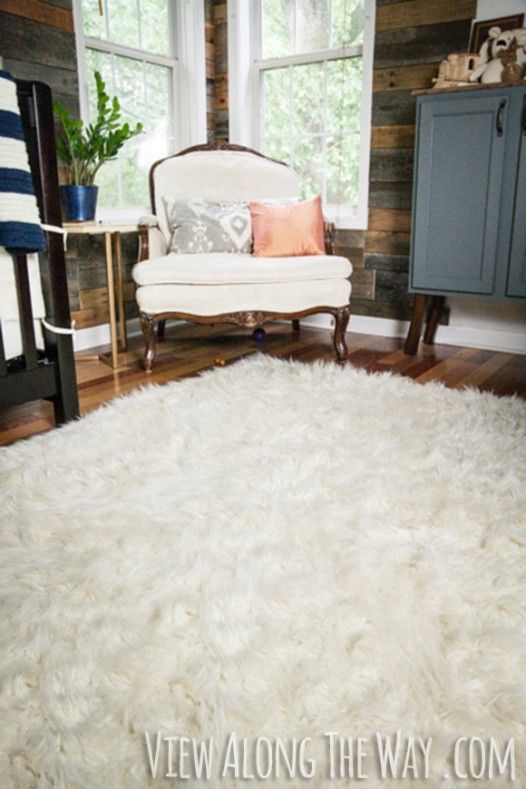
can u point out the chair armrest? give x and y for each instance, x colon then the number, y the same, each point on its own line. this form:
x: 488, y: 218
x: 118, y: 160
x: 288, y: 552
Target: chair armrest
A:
x: 152, y: 242
x: 329, y: 235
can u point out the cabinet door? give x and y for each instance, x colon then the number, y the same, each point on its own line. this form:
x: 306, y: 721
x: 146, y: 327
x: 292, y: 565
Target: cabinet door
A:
x: 517, y: 271
x: 460, y: 152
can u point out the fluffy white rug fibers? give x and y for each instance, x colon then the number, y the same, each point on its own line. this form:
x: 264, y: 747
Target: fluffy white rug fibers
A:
x: 274, y: 549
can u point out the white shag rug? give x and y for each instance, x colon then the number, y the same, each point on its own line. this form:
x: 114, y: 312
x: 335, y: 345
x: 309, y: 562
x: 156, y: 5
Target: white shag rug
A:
x: 273, y: 549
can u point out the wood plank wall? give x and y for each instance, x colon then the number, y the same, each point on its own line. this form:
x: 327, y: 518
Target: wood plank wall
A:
x: 221, y: 70
x: 210, y: 67
x: 412, y: 37
x: 37, y: 42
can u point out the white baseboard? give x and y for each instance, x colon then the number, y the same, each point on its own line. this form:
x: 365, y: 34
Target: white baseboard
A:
x: 92, y: 337
x: 487, y: 339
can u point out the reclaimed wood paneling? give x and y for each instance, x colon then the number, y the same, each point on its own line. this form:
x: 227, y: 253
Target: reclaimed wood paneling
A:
x: 44, y: 13
x: 404, y: 77
x: 221, y: 70
x: 363, y: 283
x: 412, y: 37
x: 393, y: 136
x: 221, y: 92
x: 350, y: 244
x: 387, y: 242
x: 382, y: 262
x: 391, y: 164
x: 210, y: 68
x: 389, y: 219
x: 62, y: 81
x: 423, y: 12
x: 392, y: 286
x: 390, y: 194
x: 393, y: 108
x: 220, y: 11
x: 429, y: 44
x: 354, y: 239
x: 32, y: 42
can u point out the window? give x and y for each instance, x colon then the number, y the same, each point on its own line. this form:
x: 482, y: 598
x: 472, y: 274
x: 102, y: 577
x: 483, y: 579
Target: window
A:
x: 306, y: 80
x: 139, y: 47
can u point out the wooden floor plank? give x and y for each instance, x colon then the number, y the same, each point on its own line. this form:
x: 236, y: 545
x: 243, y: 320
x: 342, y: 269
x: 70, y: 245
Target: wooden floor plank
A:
x: 189, y: 349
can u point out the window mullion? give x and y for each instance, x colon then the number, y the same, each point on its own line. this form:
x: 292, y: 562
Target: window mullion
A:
x: 291, y: 117
x: 324, y: 138
x: 139, y: 26
x: 145, y: 88
x: 128, y: 52
x: 107, y: 20
x: 312, y: 57
x: 295, y: 27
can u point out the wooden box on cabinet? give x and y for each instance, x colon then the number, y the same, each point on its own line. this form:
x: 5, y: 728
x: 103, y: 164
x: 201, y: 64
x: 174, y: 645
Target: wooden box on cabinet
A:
x: 468, y: 233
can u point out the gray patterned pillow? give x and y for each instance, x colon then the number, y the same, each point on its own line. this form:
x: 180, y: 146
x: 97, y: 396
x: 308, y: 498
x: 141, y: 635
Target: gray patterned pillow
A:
x: 204, y: 226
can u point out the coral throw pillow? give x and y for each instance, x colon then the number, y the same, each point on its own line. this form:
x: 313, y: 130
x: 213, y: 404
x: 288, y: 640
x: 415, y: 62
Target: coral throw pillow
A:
x: 288, y: 230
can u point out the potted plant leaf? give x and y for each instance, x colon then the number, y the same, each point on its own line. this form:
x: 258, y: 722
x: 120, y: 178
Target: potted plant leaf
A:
x: 85, y: 148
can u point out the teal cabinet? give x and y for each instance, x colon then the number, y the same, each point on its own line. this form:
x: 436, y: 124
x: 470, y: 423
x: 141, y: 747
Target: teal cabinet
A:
x: 469, y: 199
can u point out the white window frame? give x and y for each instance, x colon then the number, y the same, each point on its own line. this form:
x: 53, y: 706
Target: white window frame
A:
x: 187, y: 61
x: 244, y: 77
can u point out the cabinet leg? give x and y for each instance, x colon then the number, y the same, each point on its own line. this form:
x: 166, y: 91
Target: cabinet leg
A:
x: 413, y: 335
x: 433, y: 316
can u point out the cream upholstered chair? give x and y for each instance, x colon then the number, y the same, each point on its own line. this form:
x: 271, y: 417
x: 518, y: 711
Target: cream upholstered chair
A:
x: 234, y: 288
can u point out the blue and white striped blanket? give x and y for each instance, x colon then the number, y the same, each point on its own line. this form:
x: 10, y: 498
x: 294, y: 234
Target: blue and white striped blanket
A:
x: 20, y: 229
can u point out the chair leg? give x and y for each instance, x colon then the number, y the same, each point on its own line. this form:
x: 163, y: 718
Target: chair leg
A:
x: 161, y: 326
x: 341, y: 319
x: 148, y: 330
x: 295, y: 326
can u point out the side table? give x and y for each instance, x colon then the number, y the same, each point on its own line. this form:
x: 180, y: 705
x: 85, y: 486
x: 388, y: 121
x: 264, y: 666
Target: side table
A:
x: 110, y: 230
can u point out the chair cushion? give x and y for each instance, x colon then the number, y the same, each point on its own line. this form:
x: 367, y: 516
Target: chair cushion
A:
x: 224, y: 268
x: 219, y: 299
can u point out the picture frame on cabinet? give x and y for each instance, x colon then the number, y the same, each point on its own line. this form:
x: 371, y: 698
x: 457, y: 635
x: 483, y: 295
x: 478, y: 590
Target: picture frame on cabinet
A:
x: 480, y: 29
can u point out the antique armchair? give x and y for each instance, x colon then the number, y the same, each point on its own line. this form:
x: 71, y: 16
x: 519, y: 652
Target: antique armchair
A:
x: 230, y: 287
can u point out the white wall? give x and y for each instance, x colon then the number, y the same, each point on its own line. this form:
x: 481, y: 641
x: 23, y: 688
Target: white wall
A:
x: 491, y: 9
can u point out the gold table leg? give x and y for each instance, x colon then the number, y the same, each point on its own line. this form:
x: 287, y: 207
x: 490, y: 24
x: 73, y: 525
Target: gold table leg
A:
x: 113, y: 358
x: 120, y: 293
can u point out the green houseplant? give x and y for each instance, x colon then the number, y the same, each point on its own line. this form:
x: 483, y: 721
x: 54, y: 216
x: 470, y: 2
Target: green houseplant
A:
x: 85, y: 148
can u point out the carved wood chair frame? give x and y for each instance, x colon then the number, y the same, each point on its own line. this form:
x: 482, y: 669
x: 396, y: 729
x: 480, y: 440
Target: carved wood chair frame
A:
x: 248, y: 319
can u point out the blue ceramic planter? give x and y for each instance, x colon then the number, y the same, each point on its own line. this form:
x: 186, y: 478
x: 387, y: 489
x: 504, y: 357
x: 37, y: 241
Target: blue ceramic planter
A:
x: 79, y: 202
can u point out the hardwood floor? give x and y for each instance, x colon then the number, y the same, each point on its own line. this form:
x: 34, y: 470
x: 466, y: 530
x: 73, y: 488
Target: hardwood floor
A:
x: 189, y: 349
